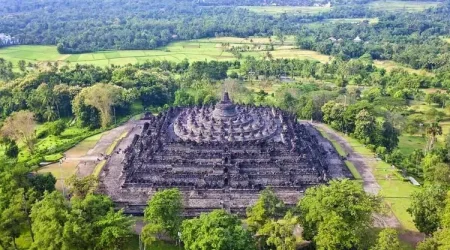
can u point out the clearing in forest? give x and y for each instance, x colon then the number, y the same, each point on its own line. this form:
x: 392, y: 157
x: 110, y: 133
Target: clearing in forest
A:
x: 395, y: 6
x: 193, y: 50
x: 278, y: 10
x: 389, y: 65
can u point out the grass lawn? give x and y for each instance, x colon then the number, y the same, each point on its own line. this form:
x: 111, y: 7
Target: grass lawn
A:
x: 447, y: 39
x: 396, y: 192
x: 395, y: 6
x: 353, y: 170
x: 342, y: 152
x: 408, y: 143
x: 69, y: 167
x: 278, y: 10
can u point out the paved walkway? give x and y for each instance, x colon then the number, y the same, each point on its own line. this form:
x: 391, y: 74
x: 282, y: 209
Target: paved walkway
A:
x: 95, y: 155
x: 362, y: 164
x: 369, y: 182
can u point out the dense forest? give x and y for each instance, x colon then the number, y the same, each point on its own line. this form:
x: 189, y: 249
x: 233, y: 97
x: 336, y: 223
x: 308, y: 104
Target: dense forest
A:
x: 411, y: 39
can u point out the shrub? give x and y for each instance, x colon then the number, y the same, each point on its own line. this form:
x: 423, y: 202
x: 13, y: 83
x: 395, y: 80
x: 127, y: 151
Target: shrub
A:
x: 42, y: 134
x: 234, y: 75
x: 57, y: 127
x: 12, y: 150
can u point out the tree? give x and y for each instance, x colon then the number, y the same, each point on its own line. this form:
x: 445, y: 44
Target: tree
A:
x: 43, y: 182
x: 49, y: 217
x: 102, y: 97
x: 22, y: 65
x: 56, y: 127
x: 432, y: 166
x: 93, y: 224
x: 11, y: 148
x: 365, y: 127
x: 163, y: 215
x: 15, y: 217
x: 426, y: 207
x: 116, y: 229
x: 280, y: 36
x: 280, y: 233
x: 217, y: 230
x: 330, y: 234
x: 81, y: 187
x: 428, y: 244
x: 268, y: 206
x: 433, y: 129
x: 387, y: 239
x: 327, y: 209
x: 440, y: 240
x: 20, y: 126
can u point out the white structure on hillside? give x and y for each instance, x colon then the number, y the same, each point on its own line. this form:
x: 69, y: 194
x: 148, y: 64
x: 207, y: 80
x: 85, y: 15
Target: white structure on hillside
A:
x: 7, y: 39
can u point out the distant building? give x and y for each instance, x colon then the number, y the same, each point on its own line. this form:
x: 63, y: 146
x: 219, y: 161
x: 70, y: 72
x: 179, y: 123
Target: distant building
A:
x: 357, y: 40
x: 7, y: 39
x: 286, y: 79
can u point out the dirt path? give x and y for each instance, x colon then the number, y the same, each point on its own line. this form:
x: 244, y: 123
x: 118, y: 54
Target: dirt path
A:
x: 95, y: 155
x: 362, y: 164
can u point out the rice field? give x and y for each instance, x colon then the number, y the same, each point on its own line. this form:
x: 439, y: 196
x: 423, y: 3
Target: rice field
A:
x: 390, y: 65
x: 395, y: 6
x: 352, y: 20
x: 278, y: 10
x: 193, y: 50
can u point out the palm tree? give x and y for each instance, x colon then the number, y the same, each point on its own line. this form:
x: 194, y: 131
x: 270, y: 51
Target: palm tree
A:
x: 433, y: 130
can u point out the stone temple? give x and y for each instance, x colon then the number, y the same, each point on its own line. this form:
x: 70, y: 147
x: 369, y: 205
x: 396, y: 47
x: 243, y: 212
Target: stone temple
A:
x: 220, y: 157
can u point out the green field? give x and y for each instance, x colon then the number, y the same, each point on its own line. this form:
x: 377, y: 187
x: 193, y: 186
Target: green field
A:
x: 278, y: 10
x: 352, y: 20
x: 396, y: 192
x: 390, y: 65
x: 410, y: 6
x: 194, y: 50
x: 447, y: 39
x: 408, y: 143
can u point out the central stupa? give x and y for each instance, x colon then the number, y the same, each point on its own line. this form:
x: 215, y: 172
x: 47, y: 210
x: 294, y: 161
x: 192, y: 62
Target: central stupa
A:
x: 225, y: 109
x: 221, y: 156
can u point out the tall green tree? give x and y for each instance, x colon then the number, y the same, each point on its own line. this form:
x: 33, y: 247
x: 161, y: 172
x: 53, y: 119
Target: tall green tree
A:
x: 365, y: 127
x: 268, y: 206
x: 326, y: 209
x: 387, y: 240
x: 279, y: 234
x: 426, y: 208
x: 81, y: 187
x: 163, y: 215
x: 49, y: 217
x: 93, y: 224
x: 217, y: 230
